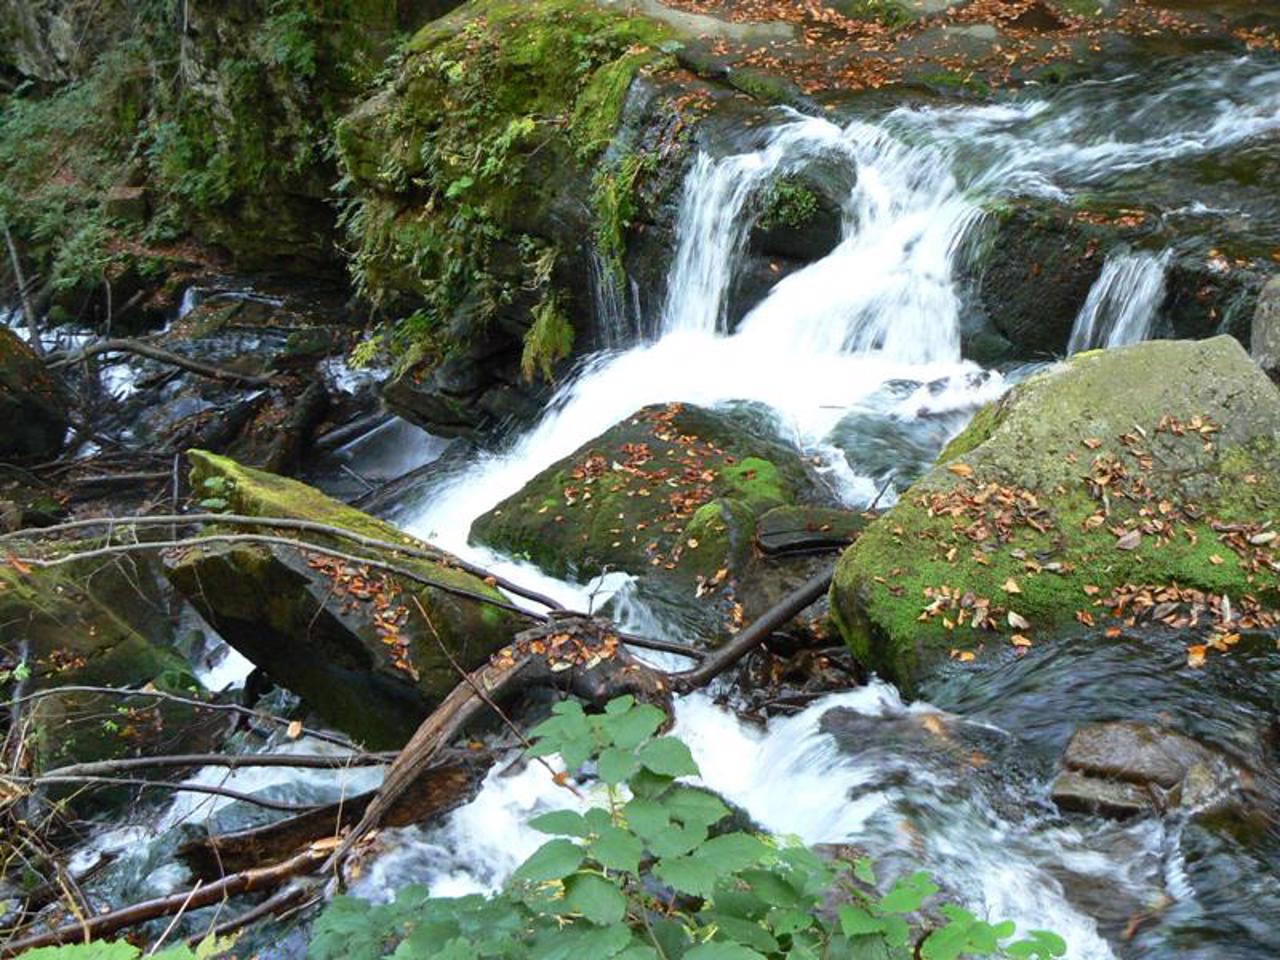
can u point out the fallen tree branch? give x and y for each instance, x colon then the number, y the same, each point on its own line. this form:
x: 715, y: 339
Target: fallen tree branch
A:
x: 24, y: 292
x: 190, y: 701
x: 31, y: 782
x: 142, y: 349
x: 728, y: 655
x: 302, y: 761
x: 248, y: 881
x: 303, y: 526
x: 263, y: 539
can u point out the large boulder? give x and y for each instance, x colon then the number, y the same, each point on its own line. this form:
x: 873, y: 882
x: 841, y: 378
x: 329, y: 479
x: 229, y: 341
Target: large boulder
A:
x: 371, y: 650
x: 1128, y: 768
x: 673, y: 495
x: 1265, y: 346
x: 33, y: 404
x: 1139, y: 483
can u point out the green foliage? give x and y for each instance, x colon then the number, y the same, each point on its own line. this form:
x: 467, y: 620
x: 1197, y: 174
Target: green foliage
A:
x: 659, y: 871
x: 479, y: 130
x: 216, y: 493
x: 787, y: 203
x: 548, y: 341
x: 888, y: 12
x: 121, y: 950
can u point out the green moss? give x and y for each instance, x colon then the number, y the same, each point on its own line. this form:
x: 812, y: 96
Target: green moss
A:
x: 757, y: 482
x: 788, y: 203
x: 493, y: 111
x: 888, y: 12
x: 979, y: 430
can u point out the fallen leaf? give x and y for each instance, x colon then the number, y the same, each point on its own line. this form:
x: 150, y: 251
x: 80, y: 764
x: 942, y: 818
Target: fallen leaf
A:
x: 1018, y: 622
x: 1093, y: 443
x: 1011, y: 586
x: 1196, y: 655
x: 1130, y: 541
x: 294, y: 730
x: 961, y: 469
x: 1018, y: 640
x: 1216, y: 560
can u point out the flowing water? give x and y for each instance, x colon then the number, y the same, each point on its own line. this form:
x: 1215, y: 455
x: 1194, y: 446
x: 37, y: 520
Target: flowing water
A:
x: 875, y: 327
x: 1122, y: 305
x: 872, y: 331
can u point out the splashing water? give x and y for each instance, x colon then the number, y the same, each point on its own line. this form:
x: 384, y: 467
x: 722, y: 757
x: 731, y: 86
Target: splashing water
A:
x: 1123, y: 302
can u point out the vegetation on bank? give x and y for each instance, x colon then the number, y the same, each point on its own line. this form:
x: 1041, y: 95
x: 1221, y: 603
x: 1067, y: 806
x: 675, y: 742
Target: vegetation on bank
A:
x: 649, y: 866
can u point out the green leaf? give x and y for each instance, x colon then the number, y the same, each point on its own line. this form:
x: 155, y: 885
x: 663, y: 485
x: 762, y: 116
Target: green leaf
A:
x: 740, y: 931
x: 568, y: 823
x: 595, y: 898
x: 732, y: 852
x: 631, y: 728
x: 668, y: 757
x: 865, y: 871
x: 692, y: 875
x: 617, y: 849
x: 691, y: 806
x: 120, y: 950
x: 619, y: 705
x: 909, y: 894
x: 554, y: 860
x: 856, y: 922
x: 719, y: 950
x: 617, y: 765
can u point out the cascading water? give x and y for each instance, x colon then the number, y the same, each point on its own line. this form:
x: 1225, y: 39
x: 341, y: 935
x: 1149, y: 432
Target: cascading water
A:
x: 1122, y: 305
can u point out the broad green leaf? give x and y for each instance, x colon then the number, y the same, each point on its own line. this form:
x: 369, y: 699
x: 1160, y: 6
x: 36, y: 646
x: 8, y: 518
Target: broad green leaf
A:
x: 693, y: 875
x: 580, y: 941
x: 554, y: 860
x: 741, y: 931
x: 567, y: 823
x: 616, y: 765
x: 120, y: 950
x: 595, y: 898
x: 617, y: 849
x: 619, y: 705
x: 865, y: 871
x: 786, y: 922
x: 668, y: 757
x: 630, y: 729
x: 731, y: 852
x: 909, y: 894
x: 856, y: 922
x: 693, y: 806
x: 718, y: 950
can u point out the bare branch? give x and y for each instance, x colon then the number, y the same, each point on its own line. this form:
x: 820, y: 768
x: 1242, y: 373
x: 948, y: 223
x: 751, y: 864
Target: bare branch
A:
x: 143, y: 349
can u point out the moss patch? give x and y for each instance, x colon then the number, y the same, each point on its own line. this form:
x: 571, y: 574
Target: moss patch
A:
x: 1145, y: 469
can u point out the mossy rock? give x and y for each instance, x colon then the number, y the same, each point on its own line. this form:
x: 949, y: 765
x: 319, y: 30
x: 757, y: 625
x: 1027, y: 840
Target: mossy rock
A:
x: 671, y: 494
x: 33, y: 403
x: 1148, y: 466
x: 351, y: 640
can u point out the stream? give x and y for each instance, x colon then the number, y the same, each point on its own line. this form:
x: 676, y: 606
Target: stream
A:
x: 875, y: 328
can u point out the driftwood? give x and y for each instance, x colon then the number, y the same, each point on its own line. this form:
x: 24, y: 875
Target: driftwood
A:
x: 103, y: 925
x: 143, y: 349
x: 438, y: 790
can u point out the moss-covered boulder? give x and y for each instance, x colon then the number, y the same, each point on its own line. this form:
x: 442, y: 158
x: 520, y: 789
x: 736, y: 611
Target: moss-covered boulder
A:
x: 1139, y: 484
x: 672, y: 494
x: 33, y: 404
x: 369, y: 649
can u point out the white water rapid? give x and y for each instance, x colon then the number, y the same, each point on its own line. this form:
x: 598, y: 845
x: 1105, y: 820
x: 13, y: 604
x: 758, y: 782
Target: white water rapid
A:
x: 1123, y: 302
x: 885, y: 305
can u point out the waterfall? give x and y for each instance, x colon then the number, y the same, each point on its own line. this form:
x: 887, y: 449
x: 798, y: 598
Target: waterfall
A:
x: 1122, y: 304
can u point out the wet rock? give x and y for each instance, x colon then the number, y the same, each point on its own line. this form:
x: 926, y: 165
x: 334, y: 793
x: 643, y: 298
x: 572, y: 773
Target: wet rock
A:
x: 351, y: 640
x: 672, y: 495
x: 1188, y: 428
x: 33, y: 403
x: 1265, y: 346
x: 1128, y: 768
x: 807, y: 529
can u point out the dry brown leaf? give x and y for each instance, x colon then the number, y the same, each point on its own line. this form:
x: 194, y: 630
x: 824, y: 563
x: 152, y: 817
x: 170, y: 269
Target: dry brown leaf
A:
x: 1011, y: 586
x: 1018, y: 622
x: 961, y: 469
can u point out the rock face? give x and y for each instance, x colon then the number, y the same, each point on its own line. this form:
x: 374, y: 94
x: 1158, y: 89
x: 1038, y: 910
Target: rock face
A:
x: 33, y: 404
x: 672, y: 494
x: 1124, y: 769
x: 349, y: 639
x: 1265, y: 347
x: 1089, y: 490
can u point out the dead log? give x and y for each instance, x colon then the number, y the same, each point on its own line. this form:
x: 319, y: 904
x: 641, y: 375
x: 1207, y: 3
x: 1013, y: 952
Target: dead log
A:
x: 103, y: 925
x: 143, y: 349
x: 437, y: 791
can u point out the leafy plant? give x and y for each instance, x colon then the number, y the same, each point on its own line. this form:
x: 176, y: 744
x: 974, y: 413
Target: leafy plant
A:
x: 662, y: 870
x: 216, y: 492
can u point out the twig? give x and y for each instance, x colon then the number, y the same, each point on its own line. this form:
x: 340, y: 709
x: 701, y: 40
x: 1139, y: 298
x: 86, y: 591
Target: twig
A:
x: 161, y: 785
x: 879, y: 496
x: 176, y: 917
x: 191, y: 701
x: 304, y: 526
x: 143, y: 349
x: 300, y: 545
x: 307, y: 761
x: 33, y: 323
x: 490, y: 703
x: 264, y: 878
